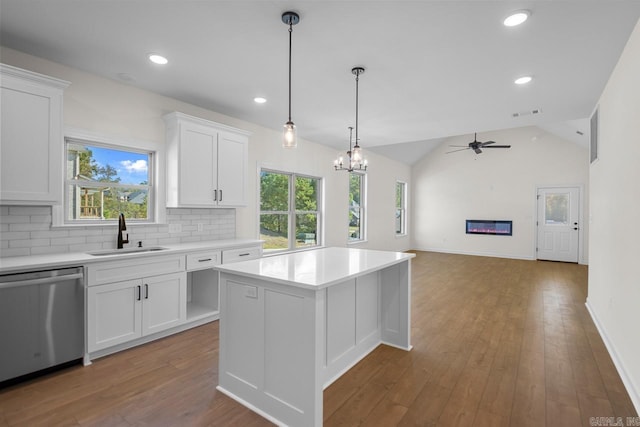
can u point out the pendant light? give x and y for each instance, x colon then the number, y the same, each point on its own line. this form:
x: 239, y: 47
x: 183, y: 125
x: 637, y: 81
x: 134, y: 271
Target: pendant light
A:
x: 289, y: 134
x: 356, y: 160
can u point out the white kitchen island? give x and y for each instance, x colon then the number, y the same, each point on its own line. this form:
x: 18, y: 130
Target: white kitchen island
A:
x: 292, y: 324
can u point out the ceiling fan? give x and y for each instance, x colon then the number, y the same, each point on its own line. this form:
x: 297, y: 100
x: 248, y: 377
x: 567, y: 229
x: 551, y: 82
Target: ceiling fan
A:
x: 477, y: 145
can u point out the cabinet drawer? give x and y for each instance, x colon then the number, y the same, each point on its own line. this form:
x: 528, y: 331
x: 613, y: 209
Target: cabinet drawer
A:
x: 242, y: 254
x: 200, y: 260
x: 117, y: 271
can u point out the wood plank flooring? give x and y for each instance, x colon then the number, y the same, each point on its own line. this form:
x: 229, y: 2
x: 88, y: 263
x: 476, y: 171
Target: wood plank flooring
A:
x: 497, y: 342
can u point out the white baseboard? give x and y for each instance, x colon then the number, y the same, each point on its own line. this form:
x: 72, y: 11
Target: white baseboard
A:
x: 487, y: 254
x: 626, y: 379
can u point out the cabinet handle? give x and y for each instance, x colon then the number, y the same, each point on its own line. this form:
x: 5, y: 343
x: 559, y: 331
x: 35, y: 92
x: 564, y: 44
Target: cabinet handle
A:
x: 146, y: 291
x: 220, y: 195
x: 204, y: 260
x: 215, y: 195
x: 139, y: 293
x: 244, y: 254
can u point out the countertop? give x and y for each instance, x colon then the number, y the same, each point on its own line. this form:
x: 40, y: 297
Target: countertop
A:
x: 318, y: 268
x: 38, y: 262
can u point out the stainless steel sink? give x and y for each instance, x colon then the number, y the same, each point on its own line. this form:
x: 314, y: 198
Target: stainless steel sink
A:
x: 126, y: 251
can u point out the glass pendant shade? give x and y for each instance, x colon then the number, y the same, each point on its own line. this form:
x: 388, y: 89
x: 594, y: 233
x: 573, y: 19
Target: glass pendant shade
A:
x: 290, y: 138
x: 356, y: 155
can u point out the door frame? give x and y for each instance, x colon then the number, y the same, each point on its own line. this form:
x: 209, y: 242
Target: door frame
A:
x: 581, y: 216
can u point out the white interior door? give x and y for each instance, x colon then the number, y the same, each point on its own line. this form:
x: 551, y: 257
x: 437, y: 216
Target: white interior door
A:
x: 558, y: 224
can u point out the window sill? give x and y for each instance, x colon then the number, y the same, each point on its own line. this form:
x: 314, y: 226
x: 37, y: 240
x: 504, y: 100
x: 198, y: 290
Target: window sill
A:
x: 356, y: 242
x: 289, y: 252
x: 113, y: 223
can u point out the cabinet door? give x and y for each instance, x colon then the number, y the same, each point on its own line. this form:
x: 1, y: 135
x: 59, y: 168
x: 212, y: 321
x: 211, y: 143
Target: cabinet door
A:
x: 31, y: 138
x: 232, y: 169
x: 197, y: 182
x: 114, y: 314
x: 164, y: 302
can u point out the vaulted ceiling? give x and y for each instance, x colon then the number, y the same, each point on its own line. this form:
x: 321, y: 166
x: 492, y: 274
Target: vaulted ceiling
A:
x: 434, y: 69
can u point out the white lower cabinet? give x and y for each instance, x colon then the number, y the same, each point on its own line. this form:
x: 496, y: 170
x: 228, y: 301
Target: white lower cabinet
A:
x: 124, y: 311
x: 133, y: 301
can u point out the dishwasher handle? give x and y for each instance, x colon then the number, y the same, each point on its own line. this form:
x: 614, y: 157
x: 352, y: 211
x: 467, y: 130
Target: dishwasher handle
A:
x: 41, y: 280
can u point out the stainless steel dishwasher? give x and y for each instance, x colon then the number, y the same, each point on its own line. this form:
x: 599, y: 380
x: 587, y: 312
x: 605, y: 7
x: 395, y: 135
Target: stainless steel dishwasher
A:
x: 41, y: 320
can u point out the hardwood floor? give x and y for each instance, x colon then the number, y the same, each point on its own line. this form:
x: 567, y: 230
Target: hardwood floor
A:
x: 497, y: 342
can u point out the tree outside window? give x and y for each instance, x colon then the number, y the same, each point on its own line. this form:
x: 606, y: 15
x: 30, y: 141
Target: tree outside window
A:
x: 289, y: 210
x: 102, y: 182
x: 401, y: 208
x: 356, y: 206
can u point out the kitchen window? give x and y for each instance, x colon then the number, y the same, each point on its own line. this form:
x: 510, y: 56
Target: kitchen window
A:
x: 357, y: 201
x: 290, y: 210
x: 401, y: 208
x: 102, y: 181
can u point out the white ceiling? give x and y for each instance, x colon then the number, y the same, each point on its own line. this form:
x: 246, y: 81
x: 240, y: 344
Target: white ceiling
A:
x: 434, y: 69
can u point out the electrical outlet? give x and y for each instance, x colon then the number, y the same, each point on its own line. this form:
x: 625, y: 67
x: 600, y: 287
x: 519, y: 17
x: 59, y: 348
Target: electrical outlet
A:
x: 251, y: 291
x: 175, y: 228
x: 200, y: 227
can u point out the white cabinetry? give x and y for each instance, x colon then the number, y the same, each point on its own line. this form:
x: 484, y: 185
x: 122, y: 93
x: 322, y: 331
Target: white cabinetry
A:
x: 203, y: 289
x: 206, y: 163
x: 149, y: 301
x: 31, y: 141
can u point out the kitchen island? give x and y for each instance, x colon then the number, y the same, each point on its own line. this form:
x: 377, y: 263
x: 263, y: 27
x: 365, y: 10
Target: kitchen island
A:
x: 292, y: 324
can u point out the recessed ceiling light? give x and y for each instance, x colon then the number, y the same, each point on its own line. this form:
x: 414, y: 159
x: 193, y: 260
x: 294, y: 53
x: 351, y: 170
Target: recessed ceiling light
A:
x: 158, y: 59
x: 516, y: 18
x: 259, y: 100
x: 523, y: 80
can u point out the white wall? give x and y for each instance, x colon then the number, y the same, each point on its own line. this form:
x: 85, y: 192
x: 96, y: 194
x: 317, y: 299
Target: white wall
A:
x: 497, y: 184
x: 113, y: 108
x: 614, y: 272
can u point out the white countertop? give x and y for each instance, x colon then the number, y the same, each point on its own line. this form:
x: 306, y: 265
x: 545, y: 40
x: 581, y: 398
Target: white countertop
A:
x: 318, y: 268
x: 35, y: 262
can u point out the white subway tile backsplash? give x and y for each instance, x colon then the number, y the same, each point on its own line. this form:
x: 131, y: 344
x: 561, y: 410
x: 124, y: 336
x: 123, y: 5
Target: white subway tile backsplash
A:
x: 29, y: 210
x: 29, y: 243
x: 26, y: 230
x: 15, y: 252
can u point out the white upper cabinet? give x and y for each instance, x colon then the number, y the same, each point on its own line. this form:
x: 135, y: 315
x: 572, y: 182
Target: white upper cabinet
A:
x: 206, y: 163
x: 31, y: 141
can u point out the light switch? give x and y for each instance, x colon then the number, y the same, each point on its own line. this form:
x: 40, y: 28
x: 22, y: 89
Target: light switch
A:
x: 251, y: 291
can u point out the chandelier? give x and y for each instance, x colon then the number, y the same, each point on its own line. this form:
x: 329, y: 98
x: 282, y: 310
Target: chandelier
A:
x: 355, y: 159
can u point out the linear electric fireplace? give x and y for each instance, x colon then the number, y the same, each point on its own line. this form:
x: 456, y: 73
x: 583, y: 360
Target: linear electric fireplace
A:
x: 488, y: 226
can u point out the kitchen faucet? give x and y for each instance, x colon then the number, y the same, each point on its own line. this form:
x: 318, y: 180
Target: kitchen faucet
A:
x: 122, y: 226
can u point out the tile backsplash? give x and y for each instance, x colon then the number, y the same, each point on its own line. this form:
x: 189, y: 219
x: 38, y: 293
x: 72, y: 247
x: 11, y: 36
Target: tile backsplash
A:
x: 26, y: 230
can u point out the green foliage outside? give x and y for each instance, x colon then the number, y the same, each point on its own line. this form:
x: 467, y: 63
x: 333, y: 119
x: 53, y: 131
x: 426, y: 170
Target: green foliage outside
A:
x: 130, y: 201
x: 355, y: 194
x: 274, y: 205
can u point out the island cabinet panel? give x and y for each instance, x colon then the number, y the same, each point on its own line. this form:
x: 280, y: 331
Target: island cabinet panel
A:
x: 396, y: 315
x: 289, y: 348
x: 341, y: 320
x: 270, y: 354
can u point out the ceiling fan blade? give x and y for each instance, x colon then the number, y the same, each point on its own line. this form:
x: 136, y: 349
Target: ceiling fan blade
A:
x: 498, y: 146
x: 477, y: 150
x: 453, y: 151
x: 487, y: 143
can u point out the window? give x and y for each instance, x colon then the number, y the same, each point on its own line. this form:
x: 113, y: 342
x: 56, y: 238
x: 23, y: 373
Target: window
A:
x: 101, y: 181
x: 290, y: 210
x: 401, y: 208
x: 356, y: 207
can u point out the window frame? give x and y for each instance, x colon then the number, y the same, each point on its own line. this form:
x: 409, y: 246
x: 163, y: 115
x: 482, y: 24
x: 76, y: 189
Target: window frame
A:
x: 402, y: 208
x: 156, y: 196
x: 292, y: 211
x: 362, y: 208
